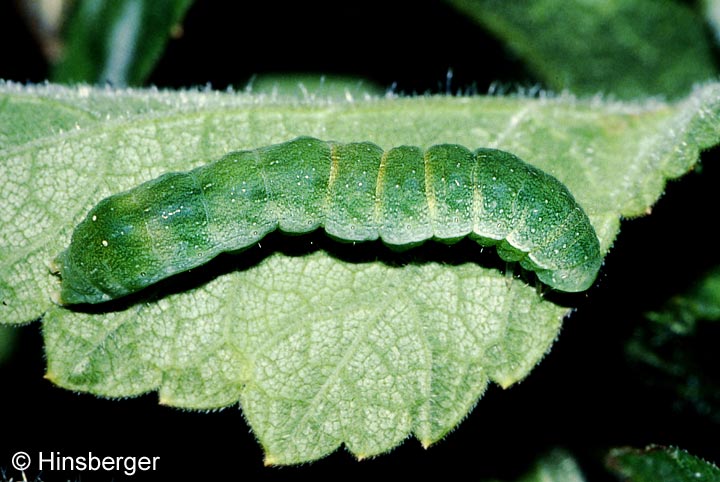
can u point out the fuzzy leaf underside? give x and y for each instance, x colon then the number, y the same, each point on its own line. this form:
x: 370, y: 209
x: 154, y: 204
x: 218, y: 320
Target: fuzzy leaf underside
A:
x: 320, y: 349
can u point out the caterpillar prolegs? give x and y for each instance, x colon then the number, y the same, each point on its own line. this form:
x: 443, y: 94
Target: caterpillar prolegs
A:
x: 355, y: 191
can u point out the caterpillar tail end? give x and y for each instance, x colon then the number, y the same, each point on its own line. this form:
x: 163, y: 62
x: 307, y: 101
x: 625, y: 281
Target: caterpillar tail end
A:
x: 571, y: 280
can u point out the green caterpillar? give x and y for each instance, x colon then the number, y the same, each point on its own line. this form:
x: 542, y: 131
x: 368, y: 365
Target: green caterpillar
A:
x: 355, y: 191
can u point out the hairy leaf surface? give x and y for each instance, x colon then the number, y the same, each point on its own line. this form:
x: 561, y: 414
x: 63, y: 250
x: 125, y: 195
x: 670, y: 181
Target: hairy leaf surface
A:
x: 321, y: 344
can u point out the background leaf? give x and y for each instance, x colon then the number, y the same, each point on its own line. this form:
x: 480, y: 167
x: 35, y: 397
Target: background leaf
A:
x: 700, y: 302
x: 629, y: 48
x: 660, y: 463
x: 556, y: 466
x: 674, y: 352
x: 712, y: 14
x: 7, y: 339
x: 117, y: 42
x: 306, y: 86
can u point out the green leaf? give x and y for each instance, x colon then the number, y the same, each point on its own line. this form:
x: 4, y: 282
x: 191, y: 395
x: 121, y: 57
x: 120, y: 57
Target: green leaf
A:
x: 680, y: 368
x: 320, y: 86
x: 8, y: 334
x: 660, y: 463
x: 117, y: 42
x: 322, y: 344
x: 700, y: 302
x: 675, y: 352
x: 555, y: 466
x: 712, y: 14
x: 629, y: 48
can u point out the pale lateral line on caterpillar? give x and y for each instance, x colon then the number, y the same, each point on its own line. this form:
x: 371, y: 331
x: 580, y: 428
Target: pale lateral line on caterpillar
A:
x: 379, y: 184
x: 430, y: 192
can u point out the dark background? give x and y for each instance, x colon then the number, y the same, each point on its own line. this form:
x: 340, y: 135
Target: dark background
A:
x: 584, y: 396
